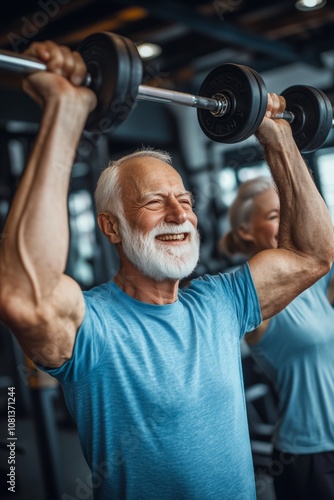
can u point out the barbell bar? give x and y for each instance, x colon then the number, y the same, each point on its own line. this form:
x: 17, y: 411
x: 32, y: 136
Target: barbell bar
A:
x: 25, y: 65
x: 218, y: 104
x: 231, y: 103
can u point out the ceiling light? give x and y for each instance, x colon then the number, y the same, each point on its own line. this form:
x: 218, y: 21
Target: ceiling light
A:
x: 148, y: 50
x: 310, y: 4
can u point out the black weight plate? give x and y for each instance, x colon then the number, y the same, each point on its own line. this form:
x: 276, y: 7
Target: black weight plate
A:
x: 107, y: 60
x: 319, y: 138
x: 241, y: 88
x: 324, y: 126
x: 135, y: 79
x: 136, y: 72
x: 263, y: 99
x: 313, y: 116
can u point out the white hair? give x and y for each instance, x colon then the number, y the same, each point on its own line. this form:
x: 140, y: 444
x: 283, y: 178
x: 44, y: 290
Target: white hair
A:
x: 240, y: 210
x: 240, y: 213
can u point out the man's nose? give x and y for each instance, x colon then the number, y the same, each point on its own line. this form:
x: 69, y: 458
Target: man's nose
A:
x: 175, y: 213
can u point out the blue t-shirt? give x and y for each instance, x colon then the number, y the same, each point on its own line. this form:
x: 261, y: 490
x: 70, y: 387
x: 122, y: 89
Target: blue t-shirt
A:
x: 297, y: 354
x: 157, y: 394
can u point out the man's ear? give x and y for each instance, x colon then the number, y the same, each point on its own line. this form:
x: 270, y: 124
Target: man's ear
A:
x: 109, y: 226
x: 244, y: 234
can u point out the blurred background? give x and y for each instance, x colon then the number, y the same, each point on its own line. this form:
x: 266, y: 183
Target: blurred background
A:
x: 287, y: 42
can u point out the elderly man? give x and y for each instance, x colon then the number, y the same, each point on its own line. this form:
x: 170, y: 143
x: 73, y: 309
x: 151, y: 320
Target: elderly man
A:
x: 151, y: 374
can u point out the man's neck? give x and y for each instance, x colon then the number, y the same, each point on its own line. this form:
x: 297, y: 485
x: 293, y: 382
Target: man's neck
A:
x: 146, y: 289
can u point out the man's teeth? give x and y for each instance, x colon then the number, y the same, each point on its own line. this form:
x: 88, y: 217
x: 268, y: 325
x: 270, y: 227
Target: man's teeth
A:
x: 168, y: 237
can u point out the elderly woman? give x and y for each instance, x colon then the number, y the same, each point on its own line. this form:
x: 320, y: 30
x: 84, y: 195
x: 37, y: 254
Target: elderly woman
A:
x: 295, y: 349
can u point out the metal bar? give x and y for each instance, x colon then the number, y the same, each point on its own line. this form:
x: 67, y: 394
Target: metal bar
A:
x: 147, y: 93
x: 286, y: 115
x: 289, y: 116
x: 19, y: 64
x: 24, y: 65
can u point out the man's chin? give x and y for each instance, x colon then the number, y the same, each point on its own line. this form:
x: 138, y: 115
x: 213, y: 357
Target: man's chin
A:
x: 162, y: 273
x: 172, y: 262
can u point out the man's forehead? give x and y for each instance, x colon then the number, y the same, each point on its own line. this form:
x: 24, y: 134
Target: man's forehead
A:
x: 149, y: 174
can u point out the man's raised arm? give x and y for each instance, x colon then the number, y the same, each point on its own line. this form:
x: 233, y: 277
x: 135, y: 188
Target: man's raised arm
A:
x: 41, y: 305
x: 305, y: 244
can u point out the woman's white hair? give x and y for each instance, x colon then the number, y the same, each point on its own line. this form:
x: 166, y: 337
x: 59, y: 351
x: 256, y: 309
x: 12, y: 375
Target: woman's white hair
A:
x: 240, y: 213
x: 240, y: 210
x: 108, y: 190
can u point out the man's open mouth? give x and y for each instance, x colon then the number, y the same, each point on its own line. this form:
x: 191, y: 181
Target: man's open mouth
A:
x: 172, y: 237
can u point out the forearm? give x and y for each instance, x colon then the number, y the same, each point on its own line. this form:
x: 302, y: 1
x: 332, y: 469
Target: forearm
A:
x: 34, y: 249
x: 305, y: 224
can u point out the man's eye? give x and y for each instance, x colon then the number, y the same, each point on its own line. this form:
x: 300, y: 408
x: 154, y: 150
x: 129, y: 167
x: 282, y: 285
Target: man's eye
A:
x: 154, y: 202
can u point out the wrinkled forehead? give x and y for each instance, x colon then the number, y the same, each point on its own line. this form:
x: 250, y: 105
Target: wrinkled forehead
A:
x: 148, y: 175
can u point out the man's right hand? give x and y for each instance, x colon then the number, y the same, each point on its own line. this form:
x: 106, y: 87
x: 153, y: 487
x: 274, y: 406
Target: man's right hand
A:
x: 66, y: 72
x: 272, y: 129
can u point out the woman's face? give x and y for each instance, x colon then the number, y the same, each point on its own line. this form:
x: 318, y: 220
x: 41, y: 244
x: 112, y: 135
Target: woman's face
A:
x: 262, y: 231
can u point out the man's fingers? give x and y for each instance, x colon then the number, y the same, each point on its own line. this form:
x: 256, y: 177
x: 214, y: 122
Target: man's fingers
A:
x: 282, y: 104
x: 40, y: 50
x: 79, y: 69
x: 59, y: 59
x: 276, y: 104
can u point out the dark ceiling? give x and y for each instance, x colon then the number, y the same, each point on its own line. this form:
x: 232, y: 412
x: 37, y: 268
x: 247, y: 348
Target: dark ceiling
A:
x: 195, y: 35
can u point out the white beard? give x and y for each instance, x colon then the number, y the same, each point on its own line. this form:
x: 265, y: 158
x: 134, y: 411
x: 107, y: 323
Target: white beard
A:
x: 156, y: 259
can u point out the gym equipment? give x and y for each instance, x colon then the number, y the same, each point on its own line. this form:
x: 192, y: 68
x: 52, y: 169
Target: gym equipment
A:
x: 230, y: 106
x: 312, y: 116
x: 309, y: 110
x: 115, y: 71
x: 245, y: 99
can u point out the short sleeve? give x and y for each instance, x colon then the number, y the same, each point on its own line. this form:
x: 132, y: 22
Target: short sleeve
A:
x: 246, y: 302
x: 233, y: 296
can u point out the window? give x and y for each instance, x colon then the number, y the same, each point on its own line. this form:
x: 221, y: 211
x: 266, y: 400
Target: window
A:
x: 229, y: 179
x: 83, y: 237
x: 325, y: 160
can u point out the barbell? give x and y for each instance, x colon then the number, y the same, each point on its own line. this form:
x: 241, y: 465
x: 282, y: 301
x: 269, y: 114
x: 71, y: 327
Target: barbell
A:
x: 231, y: 104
